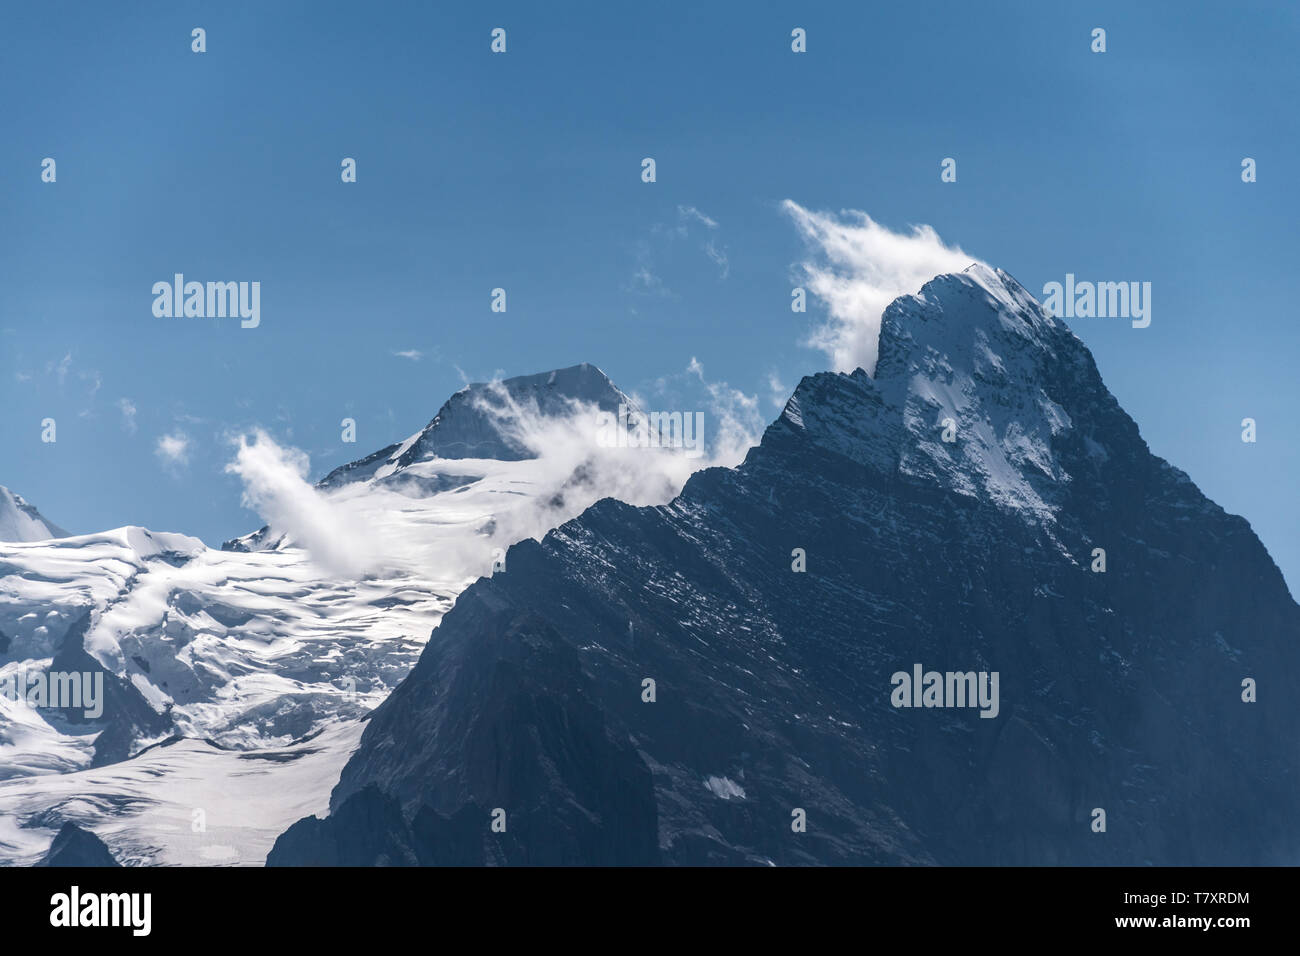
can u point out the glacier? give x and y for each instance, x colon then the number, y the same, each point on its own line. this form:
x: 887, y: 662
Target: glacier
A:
x: 239, y: 677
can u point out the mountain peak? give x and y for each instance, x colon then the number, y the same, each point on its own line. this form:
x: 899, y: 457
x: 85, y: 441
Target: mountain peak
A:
x: 20, y: 521
x: 490, y: 421
x: 978, y: 390
x: 583, y: 381
x: 477, y: 421
x: 958, y: 510
x: 950, y: 307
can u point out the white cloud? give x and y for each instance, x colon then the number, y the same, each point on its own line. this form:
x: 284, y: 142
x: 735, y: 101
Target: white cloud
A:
x: 128, y: 410
x: 174, y: 449
x: 859, y: 267
x: 276, y: 487
x: 374, y: 529
x: 778, y: 391
x: 719, y: 257
x: 59, y: 369
x: 413, y: 354
x: 686, y: 214
x: 644, y: 280
x: 738, y: 422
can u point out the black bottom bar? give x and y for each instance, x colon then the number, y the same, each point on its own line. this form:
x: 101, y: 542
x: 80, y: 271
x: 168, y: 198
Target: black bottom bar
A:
x: 331, y: 906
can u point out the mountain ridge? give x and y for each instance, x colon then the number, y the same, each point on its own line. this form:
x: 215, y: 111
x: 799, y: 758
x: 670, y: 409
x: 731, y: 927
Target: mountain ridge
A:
x: 1121, y: 688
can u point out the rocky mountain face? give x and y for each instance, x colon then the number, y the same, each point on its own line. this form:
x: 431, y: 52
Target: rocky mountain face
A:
x: 76, y: 847
x: 716, y: 681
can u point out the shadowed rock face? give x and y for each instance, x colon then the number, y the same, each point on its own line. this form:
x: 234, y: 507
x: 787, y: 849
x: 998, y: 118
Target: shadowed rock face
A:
x: 74, y: 846
x: 1119, y: 690
x: 126, y: 716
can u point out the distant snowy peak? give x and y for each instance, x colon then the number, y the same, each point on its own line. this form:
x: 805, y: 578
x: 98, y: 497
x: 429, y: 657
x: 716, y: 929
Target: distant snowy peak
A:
x: 20, y: 521
x: 977, y: 389
x: 478, y: 421
x: 489, y: 421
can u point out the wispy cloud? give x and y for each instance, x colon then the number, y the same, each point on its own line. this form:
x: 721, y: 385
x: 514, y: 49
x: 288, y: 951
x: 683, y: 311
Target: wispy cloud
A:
x: 719, y: 257
x: 686, y: 214
x: 738, y: 420
x: 413, y: 354
x: 173, y: 450
x: 644, y: 280
x: 690, y: 215
x: 358, y: 530
x: 691, y: 220
x: 128, y: 410
x: 60, y: 368
x: 778, y: 391
x: 858, y: 268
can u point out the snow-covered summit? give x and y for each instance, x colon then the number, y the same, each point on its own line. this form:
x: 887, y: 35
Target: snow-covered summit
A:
x: 977, y: 389
x: 480, y: 420
x: 482, y: 430
x: 20, y: 521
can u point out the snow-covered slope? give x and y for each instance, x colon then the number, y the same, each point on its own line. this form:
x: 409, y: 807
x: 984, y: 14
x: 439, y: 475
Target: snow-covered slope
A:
x: 261, y: 646
x: 184, y: 802
x: 20, y: 521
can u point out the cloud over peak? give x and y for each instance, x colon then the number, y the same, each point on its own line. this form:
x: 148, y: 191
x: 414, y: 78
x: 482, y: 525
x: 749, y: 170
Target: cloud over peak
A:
x: 856, y: 268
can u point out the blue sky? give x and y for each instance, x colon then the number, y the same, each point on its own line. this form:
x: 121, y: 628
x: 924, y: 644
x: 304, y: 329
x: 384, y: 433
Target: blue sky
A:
x: 522, y: 171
